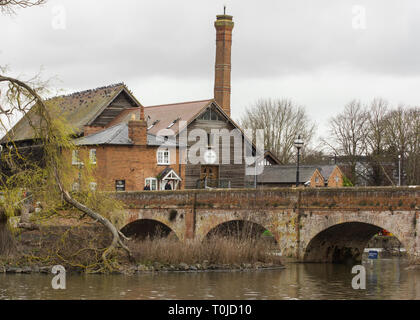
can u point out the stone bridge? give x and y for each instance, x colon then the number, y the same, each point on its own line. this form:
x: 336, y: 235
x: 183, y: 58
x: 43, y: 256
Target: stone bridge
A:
x: 311, y: 224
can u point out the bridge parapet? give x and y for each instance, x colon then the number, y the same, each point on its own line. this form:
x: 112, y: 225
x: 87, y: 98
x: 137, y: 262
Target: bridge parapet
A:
x: 372, y: 198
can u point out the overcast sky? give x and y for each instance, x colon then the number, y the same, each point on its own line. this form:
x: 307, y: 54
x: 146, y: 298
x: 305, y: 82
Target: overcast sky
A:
x: 321, y: 54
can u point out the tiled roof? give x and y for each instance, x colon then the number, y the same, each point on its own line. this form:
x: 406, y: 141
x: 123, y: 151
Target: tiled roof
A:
x: 118, y: 135
x: 285, y: 174
x: 326, y: 170
x: 79, y: 108
x: 166, y: 114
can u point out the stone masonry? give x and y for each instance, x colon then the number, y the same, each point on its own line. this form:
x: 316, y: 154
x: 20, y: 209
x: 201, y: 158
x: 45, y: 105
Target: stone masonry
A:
x: 313, y: 224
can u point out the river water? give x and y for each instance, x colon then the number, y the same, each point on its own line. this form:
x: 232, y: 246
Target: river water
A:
x: 385, y: 279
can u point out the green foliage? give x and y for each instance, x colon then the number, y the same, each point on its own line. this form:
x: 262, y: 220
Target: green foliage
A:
x: 267, y: 233
x: 347, y: 182
x: 44, y: 168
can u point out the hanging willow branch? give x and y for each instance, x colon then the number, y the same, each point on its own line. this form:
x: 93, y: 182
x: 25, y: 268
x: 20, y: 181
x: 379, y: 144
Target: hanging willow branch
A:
x: 53, y: 140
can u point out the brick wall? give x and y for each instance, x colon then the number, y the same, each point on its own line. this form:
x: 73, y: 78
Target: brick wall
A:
x: 336, y: 174
x: 130, y: 163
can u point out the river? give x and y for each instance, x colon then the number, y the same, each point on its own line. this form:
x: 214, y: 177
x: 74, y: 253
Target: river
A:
x: 385, y: 279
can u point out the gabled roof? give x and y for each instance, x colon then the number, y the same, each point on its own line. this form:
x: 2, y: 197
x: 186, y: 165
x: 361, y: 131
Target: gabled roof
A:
x: 183, y: 112
x: 79, y: 108
x: 169, y: 171
x: 326, y: 170
x: 269, y: 156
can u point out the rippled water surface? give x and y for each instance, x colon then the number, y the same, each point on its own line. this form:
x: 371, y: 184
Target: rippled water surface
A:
x: 385, y: 279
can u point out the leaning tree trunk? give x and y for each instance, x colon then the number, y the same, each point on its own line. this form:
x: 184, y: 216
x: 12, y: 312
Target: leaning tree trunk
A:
x: 52, y: 153
x: 116, y: 234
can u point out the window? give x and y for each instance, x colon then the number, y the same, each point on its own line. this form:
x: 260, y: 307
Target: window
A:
x: 75, y: 187
x: 75, y: 159
x: 152, y: 183
x: 163, y: 156
x: 209, y: 140
x: 92, y: 156
x: 211, y: 114
x: 120, y: 185
x: 92, y: 186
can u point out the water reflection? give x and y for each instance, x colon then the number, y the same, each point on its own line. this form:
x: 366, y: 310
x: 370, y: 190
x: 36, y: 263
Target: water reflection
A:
x: 385, y: 279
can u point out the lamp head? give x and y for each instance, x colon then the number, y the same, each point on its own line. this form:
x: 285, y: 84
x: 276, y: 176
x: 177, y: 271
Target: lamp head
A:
x: 299, y: 142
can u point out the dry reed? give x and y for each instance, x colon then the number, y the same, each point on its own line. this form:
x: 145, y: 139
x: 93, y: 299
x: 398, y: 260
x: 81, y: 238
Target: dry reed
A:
x: 215, y: 250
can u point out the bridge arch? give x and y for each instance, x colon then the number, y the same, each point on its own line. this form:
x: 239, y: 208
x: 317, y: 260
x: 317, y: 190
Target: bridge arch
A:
x: 241, y: 229
x: 148, y: 228
x: 344, y: 242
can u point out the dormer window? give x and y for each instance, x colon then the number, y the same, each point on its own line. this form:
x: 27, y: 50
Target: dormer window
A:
x: 153, y: 124
x: 173, y: 122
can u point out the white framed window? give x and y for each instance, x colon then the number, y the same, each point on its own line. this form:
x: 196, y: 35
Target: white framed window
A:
x: 92, y: 156
x: 163, y: 156
x: 75, y: 158
x: 152, y: 182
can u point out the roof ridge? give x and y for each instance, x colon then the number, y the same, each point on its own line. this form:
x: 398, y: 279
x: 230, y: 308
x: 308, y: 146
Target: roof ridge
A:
x: 172, y: 104
x: 88, y: 90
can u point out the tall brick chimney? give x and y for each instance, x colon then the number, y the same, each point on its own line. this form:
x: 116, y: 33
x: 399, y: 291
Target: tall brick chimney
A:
x: 224, y: 26
x: 137, y: 130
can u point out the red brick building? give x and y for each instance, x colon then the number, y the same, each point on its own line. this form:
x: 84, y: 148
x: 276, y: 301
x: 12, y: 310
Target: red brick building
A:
x: 132, y: 146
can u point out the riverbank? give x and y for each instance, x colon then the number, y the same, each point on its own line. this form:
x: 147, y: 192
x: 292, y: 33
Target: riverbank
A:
x: 78, y: 246
x: 152, y: 268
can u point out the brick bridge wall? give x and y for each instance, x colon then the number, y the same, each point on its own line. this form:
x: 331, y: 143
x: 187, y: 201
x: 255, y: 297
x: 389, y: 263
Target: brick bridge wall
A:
x: 320, y: 224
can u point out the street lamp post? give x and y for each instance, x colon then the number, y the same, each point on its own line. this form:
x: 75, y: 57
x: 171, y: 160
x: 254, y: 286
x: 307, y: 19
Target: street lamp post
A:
x: 298, y: 144
x: 399, y: 170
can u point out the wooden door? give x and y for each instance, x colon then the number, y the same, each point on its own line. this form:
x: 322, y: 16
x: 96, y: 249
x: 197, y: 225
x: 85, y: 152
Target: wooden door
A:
x: 211, y: 172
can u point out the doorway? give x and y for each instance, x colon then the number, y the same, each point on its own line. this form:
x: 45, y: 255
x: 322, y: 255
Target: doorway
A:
x: 212, y: 175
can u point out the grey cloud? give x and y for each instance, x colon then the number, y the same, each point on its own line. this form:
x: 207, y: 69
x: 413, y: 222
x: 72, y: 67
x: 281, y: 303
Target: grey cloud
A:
x: 171, y: 45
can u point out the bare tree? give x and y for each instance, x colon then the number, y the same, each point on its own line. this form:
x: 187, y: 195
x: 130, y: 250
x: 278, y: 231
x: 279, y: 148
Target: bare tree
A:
x: 369, y: 139
x: 282, y: 121
x: 376, y: 147
x: 10, y: 6
x: 348, y: 132
x: 402, y: 136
